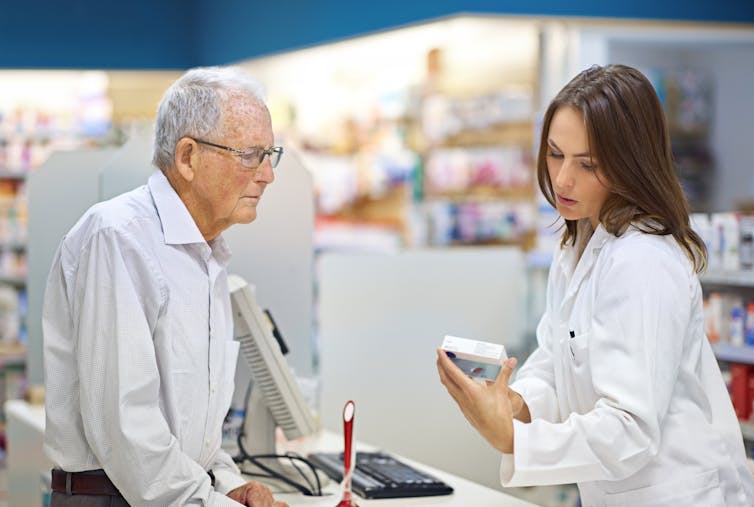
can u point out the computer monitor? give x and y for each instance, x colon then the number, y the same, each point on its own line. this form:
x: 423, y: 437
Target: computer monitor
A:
x: 275, y: 399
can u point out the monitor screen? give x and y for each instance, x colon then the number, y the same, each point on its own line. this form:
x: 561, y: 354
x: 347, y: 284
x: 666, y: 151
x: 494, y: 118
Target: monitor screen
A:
x: 275, y: 399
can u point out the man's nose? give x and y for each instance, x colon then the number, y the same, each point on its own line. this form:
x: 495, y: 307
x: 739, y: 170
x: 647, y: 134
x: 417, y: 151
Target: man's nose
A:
x: 264, y: 172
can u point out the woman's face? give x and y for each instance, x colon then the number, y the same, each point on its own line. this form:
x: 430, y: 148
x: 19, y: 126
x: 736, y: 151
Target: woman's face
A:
x: 579, y: 186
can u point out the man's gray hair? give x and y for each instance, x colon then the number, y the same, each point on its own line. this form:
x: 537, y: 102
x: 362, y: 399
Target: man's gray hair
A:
x: 193, y: 106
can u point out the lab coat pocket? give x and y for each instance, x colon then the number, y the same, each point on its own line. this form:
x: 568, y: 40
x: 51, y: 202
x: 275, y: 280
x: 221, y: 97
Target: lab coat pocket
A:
x: 577, y: 350
x: 695, y: 489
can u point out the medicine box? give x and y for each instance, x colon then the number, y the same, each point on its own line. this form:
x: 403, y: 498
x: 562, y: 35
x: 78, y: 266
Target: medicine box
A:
x: 477, y: 359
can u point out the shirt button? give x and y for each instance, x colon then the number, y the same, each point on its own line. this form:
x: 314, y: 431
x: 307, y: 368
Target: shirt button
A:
x: 206, y: 442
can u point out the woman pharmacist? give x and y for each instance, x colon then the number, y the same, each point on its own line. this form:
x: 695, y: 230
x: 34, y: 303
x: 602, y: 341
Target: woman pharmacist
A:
x: 623, y: 394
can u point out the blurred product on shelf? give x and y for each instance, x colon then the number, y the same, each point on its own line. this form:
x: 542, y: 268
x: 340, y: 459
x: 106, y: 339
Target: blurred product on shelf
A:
x: 729, y: 239
x: 742, y: 376
x: 10, y: 323
x: 749, y: 324
x: 12, y: 373
x: 687, y: 96
x: 729, y: 318
x: 736, y: 326
x: 746, y: 245
x: 450, y: 120
x: 492, y: 172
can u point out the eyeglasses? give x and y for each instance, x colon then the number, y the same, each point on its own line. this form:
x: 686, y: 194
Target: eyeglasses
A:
x: 251, y: 158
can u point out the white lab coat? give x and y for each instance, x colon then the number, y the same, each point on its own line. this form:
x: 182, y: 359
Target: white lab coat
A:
x: 632, y: 408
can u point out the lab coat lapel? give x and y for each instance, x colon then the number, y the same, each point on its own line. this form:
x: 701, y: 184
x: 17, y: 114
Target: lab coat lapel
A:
x: 582, y: 268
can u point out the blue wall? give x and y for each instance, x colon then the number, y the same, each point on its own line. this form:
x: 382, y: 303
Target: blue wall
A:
x: 106, y: 34
x: 234, y: 30
x: 176, y: 34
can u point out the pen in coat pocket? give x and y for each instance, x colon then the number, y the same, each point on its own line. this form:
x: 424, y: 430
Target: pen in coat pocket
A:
x: 570, y: 343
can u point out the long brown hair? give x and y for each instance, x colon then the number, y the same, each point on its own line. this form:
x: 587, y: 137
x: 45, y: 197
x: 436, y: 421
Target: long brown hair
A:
x: 629, y: 137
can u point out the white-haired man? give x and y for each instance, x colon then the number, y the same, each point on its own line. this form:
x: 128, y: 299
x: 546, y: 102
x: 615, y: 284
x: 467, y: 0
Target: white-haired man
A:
x: 138, y: 344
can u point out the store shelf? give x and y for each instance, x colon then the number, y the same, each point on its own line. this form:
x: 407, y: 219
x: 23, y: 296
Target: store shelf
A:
x: 729, y: 278
x: 12, y: 354
x: 513, y: 133
x: 12, y: 245
x: 16, y: 281
x: 7, y: 174
x: 482, y: 193
x: 734, y: 353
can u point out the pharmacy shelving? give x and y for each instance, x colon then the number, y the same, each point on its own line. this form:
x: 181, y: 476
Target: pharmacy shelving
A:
x: 738, y: 278
x: 8, y: 174
x: 733, y: 280
x: 734, y: 353
x: 16, y: 281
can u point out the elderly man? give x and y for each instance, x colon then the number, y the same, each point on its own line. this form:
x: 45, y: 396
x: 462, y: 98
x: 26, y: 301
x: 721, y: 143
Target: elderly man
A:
x: 138, y: 343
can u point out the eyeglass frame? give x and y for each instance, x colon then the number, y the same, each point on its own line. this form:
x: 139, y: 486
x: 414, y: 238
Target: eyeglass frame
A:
x: 242, y: 153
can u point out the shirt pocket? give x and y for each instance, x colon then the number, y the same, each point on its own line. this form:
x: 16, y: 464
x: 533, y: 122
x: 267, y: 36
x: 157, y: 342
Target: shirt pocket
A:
x: 697, y: 489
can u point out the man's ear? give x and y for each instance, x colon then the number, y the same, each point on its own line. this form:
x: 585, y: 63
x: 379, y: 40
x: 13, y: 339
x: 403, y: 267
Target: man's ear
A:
x: 186, y: 151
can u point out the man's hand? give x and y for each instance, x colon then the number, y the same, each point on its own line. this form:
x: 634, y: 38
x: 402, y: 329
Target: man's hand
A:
x: 488, y: 407
x: 254, y: 494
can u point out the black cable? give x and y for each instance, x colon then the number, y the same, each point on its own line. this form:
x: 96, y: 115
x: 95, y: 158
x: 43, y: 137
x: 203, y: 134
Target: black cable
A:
x: 255, y: 459
x: 293, y: 457
x: 271, y: 473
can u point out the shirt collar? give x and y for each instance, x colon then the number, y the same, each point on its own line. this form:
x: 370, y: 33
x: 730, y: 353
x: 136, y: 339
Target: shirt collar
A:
x: 178, y: 226
x: 221, y: 250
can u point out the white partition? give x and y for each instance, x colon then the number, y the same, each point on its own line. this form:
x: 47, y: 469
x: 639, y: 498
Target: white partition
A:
x: 130, y: 166
x: 276, y: 254
x: 65, y: 186
x: 381, y: 318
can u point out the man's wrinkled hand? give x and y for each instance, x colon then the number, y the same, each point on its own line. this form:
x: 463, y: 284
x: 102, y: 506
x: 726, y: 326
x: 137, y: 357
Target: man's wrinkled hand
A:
x: 255, y: 494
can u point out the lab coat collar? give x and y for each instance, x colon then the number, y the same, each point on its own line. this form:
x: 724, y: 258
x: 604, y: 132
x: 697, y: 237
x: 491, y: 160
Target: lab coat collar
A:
x: 577, y: 269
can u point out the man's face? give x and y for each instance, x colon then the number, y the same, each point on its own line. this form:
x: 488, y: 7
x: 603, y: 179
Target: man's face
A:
x: 225, y: 191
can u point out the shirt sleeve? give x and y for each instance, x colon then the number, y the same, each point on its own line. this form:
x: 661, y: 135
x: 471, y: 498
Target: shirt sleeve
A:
x: 640, y: 314
x: 227, y: 475
x: 113, y: 299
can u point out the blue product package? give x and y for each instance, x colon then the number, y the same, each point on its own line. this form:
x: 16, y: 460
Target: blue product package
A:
x: 477, y: 369
x: 477, y: 359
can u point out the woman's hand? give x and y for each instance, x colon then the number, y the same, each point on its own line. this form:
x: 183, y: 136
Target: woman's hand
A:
x: 519, y: 406
x: 489, y: 407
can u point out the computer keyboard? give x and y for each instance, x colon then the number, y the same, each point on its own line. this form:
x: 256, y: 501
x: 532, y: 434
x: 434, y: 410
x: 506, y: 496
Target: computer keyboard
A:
x: 379, y: 475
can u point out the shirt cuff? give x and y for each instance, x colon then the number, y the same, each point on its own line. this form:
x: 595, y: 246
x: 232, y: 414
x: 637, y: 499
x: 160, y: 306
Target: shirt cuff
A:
x: 220, y: 500
x: 226, y: 480
x: 507, y: 467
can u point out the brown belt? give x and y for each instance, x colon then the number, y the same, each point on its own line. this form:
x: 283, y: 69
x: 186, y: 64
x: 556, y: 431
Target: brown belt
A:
x: 83, y: 483
x: 89, y: 483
